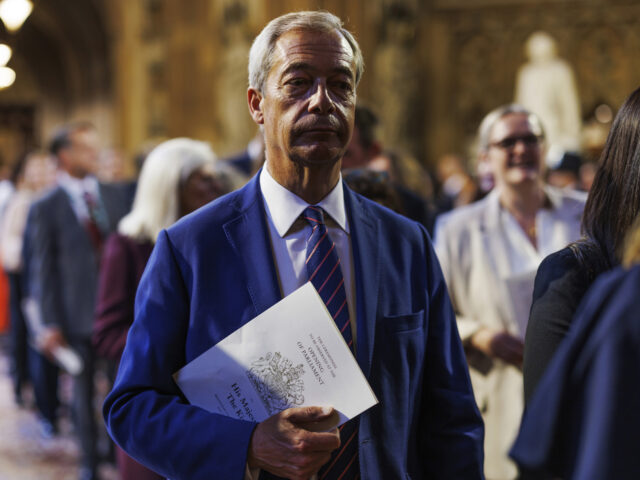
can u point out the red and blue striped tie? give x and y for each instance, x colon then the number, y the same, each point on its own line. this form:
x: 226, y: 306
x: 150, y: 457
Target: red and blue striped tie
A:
x: 323, y: 268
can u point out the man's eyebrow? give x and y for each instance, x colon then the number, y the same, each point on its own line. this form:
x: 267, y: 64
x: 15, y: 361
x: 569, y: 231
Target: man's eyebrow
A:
x: 307, y: 66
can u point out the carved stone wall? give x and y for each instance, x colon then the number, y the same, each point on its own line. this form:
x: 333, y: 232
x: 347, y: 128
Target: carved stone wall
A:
x: 599, y: 39
x: 433, y: 67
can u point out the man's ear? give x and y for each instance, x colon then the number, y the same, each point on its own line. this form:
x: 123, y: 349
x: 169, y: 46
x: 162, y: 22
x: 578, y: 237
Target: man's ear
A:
x: 254, y: 99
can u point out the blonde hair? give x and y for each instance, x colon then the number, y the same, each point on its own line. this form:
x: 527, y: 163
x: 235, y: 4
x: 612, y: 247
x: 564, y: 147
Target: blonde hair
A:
x: 156, y: 205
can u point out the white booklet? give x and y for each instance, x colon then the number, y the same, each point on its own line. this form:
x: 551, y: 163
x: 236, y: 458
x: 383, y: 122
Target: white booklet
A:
x: 291, y: 355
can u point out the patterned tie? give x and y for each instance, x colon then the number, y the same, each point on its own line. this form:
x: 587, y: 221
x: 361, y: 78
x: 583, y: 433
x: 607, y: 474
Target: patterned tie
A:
x: 323, y: 268
x: 96, y: 222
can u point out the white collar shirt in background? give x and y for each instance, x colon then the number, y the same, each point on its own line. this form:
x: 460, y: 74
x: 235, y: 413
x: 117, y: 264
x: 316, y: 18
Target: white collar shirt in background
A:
x: 76, y: 188
x: 551, y: 235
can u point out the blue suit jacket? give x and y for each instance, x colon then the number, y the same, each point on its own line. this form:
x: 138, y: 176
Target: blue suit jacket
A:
x: 214, y: 271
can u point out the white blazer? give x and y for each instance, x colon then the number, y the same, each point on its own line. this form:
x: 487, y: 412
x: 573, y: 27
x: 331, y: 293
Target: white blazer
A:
x: 489, y: 265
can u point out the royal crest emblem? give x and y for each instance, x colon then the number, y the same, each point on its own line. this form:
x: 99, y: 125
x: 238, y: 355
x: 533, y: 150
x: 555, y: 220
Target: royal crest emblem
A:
x: 277, y: 381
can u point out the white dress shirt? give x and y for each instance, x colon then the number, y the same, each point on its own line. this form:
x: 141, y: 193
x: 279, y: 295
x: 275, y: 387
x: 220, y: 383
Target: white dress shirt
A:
x: 76, y: 188
x: 289, y: 232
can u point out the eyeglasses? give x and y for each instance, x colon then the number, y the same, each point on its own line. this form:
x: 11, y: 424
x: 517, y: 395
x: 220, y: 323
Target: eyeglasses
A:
x: 508, y: 143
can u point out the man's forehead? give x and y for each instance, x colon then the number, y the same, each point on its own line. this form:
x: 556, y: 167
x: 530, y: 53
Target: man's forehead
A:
x: 512, y: 122
x: 297, y: 45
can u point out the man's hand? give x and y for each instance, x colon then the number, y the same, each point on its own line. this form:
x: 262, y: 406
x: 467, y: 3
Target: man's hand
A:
x: 292, y: 443
x: 500, y: 345
x: 50, y: 339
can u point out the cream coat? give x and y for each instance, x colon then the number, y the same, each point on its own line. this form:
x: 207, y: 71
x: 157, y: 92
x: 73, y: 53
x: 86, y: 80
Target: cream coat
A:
x: 480, y: 248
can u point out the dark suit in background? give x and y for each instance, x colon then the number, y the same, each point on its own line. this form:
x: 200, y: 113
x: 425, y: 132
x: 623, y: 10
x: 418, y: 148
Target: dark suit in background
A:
x: 62, y: 278
x: 582, y: 421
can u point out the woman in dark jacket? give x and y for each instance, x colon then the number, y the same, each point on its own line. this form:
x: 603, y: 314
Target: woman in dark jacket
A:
x: 564, y: 277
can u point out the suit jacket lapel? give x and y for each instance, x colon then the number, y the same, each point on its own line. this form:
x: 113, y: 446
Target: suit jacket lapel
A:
x: 249, y: 238
x: 365, y: 247
x: 68, y: 217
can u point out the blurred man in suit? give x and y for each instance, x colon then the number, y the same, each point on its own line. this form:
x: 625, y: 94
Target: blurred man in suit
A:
x: 65, y: 231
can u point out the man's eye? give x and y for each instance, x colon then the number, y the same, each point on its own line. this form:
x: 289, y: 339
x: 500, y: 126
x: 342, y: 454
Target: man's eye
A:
x: 297, y: 82
x: 343, y: 87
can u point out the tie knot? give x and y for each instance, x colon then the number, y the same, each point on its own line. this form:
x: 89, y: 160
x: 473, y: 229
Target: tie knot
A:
x: 89, y: 198
x: 314, y: 215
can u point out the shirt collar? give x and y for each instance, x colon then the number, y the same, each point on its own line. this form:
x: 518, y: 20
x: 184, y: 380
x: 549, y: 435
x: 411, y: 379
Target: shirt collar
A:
x: 77, y: 186
x: 284, y: 207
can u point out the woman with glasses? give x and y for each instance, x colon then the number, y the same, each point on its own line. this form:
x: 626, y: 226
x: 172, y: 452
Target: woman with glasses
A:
x: 489, y: 252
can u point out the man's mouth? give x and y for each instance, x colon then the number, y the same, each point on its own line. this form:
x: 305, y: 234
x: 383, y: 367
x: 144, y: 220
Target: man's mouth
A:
x: 527, y: 164
x: 319, y: 130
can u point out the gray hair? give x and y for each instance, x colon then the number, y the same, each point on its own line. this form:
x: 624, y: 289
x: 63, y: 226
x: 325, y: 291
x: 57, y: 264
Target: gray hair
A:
x: 166, y: 168
x: 261, y: 53
x: 487, y: 124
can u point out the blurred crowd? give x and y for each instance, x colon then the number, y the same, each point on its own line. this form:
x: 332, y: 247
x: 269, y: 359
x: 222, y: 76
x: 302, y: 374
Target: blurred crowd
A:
x: 520, y: 244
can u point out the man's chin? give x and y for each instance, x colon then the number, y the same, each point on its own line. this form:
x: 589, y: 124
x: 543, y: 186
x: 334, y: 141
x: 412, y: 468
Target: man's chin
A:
x: 523, y: 178
x: 317, y: 155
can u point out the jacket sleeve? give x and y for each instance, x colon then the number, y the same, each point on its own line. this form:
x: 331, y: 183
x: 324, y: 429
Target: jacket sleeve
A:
x: 145, y: 413
x: 43, y: 276
x: 451, y: 419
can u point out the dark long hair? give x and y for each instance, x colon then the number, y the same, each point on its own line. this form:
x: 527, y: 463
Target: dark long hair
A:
x: 614, y: 198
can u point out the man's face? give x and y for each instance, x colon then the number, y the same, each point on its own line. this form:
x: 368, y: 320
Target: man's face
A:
x: 515, y: 151
x: 307, y: 107
x: 80, y: 158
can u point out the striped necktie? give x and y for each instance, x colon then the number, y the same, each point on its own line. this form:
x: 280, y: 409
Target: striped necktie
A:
x: 96, y: 223
x: 323, y: 268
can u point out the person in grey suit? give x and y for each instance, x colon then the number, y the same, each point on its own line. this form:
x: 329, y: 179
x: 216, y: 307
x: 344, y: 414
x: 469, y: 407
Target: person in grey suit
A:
x: 65, y: 231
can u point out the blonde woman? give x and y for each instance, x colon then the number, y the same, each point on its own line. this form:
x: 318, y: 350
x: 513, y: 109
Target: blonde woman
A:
x: 178, y: 176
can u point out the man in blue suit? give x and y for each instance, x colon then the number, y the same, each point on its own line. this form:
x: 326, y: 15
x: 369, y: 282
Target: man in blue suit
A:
x: 218, y: 268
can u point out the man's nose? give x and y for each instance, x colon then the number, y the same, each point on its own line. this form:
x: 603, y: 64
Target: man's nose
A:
x: 320, y: 101
x: 520, y: 146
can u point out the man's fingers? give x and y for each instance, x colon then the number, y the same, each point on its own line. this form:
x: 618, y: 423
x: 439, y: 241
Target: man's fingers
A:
x: 322, y: 441
x: 508, y: 347
x: 323, y: 425
x: 308, y: 414
x: 280, y: 446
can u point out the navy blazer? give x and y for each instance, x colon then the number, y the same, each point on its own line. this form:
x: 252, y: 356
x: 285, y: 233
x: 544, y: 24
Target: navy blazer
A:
x: 214, y: 271
x: 582, y: 421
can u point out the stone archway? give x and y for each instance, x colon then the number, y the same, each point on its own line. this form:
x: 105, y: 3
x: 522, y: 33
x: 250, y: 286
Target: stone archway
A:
x: 63, y: 70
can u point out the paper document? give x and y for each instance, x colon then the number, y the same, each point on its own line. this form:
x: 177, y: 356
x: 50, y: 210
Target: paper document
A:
x: 291, y: 355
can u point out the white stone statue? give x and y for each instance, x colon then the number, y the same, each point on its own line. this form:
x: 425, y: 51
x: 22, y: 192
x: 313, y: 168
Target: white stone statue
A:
x: 546, y: 86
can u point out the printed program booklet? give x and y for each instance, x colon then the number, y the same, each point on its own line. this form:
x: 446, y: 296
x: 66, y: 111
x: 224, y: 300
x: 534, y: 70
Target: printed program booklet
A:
x: 291, y: 355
